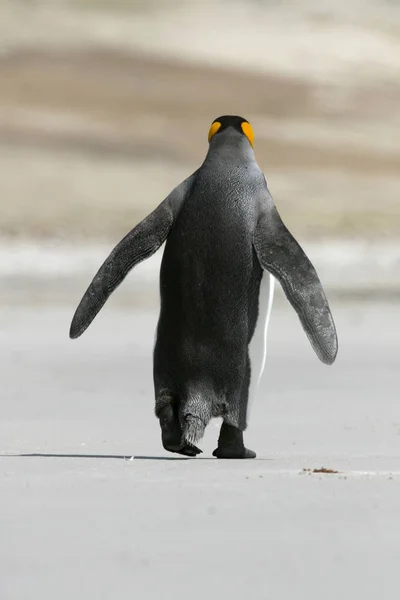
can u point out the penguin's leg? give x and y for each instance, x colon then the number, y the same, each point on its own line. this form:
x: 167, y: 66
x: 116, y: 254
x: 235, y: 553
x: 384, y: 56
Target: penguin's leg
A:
x: 230, y: 443
x: 167, y: 411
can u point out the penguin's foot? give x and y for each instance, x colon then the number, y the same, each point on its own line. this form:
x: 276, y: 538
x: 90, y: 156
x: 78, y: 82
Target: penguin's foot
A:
x: 190, y: 450
x: 228, y: 452
x: 171, y: 434
x: 230, y: 444
x: 185, y: 449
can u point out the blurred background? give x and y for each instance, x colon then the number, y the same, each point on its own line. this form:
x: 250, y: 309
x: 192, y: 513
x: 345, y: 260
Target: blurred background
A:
x: 105, y: 107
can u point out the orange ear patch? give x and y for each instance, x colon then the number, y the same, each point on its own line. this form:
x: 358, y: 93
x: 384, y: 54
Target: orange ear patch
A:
x: 213, y: 129
x: 248, y: 132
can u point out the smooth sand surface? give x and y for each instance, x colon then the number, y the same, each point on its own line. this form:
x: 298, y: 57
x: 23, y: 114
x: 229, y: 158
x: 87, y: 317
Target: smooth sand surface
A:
x: 81, y: 519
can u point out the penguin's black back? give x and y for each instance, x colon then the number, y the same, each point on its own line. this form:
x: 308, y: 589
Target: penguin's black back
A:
x: 209, y: 285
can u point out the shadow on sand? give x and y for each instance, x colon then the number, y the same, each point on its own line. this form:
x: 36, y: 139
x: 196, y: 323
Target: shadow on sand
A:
x: 93, y: 456
x: 126, y: 457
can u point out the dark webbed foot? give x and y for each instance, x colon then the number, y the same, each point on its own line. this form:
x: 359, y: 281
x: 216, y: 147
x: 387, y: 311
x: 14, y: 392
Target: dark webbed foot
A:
x: 190, y: 450
x: 183, y: 448
x: 234, y: 453
x: 230, y: 444
x: 171, y: 433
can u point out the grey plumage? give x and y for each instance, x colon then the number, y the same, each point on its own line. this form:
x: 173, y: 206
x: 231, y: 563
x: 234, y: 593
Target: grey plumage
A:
x: 281, y: 255
x: 140, y: 243
x: 221, y: 229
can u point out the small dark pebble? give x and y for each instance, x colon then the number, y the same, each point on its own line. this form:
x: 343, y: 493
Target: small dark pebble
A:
x: 321, y: 470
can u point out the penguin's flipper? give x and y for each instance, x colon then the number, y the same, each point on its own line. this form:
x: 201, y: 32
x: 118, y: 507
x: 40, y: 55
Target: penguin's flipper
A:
x: 280, y: 254
x: 139, y: 244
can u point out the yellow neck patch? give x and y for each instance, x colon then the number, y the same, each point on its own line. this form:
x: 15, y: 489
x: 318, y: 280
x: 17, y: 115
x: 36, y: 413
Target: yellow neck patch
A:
x: 248, y: 132
x: 213, y: 129
x: 246, y: 128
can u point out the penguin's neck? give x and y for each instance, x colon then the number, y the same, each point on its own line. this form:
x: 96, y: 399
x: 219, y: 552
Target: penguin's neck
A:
x: 232, y: 151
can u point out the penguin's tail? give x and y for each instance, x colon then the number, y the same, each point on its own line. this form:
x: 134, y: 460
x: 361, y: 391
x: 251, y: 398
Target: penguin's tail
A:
x: 196, y: 413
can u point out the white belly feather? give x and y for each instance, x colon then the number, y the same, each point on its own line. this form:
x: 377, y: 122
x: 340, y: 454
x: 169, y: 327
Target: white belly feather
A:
x: 258, y: 343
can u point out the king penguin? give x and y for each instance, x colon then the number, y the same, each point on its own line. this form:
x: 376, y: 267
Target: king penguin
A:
x: 225, y: 247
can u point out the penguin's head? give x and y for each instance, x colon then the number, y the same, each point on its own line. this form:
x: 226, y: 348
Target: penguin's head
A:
x: 231, y: 122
